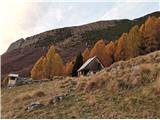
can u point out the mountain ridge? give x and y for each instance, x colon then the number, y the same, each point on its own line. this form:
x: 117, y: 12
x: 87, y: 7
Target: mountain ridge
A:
x: 21, y: 43
x: 68, y: 42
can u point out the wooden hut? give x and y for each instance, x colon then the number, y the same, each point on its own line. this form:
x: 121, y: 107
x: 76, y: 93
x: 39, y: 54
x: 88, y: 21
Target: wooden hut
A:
x: 12, y: 79
x: 91, y: 66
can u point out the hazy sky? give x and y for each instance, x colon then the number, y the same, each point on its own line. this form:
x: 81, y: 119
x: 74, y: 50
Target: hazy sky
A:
x: 23, y: 19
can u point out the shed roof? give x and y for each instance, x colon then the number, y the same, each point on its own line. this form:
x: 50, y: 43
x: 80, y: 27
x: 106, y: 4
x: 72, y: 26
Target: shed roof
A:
x: 87, y: 62
x: 13, y: 75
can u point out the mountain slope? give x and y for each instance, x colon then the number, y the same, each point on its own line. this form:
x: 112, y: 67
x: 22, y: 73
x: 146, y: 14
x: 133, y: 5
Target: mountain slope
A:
x: 69, y: 42
x: 126, y: 89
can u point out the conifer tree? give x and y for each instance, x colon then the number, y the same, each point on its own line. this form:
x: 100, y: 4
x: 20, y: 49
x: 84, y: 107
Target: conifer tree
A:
x: 77, y: 65
x: 99, y: 51
x: 37, y: 70
x: 68, y: 68
x: 58, y: 65
x: 120, y: 51
x: 150, y: 33
x: 110, y: 49
x: 49, y: 63
x: 149, y: 23
x: 86, y: 54
x: 48, y: 66
x: 133, y: 42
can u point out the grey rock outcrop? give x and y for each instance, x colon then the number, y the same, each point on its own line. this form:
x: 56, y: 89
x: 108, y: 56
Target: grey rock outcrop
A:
x: 56, y: 99
x: 16, y: 45
x: 25, y: 81
x: 34, y: 105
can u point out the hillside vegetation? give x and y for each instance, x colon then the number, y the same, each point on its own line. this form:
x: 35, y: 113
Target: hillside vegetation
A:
x: 126, y: 89
x: 138, y: 41
x: 68, y: 42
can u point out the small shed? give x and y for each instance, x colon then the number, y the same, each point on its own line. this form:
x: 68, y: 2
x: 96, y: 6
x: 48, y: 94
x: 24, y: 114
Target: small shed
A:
x: 12, y: 79
x: 91, y: 66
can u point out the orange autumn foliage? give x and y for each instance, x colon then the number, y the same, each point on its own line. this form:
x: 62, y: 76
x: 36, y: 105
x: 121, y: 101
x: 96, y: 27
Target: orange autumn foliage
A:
x: 151, y: 33
x: 48, y: 66
x: 120, y: 52
x: 110, y: 48
x: 86, y: 54
x: 133, y: 43
x: 37, y: 70
x: 68, y: 68
x: 136, y: 42
x: 99, y: 51
x: 49, y: 63
x: 58, y: 65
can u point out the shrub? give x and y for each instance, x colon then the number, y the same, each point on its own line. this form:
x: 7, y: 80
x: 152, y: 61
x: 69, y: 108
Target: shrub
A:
x: 123, y: 85
x: 149, y: 73
x: 95, y: 82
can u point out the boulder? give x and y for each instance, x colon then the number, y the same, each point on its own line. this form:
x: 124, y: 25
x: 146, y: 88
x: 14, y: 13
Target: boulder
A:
x: 34, y: 105
x: 56, y: 99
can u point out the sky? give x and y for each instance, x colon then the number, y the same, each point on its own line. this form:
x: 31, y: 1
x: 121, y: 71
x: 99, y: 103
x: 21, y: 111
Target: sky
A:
x: 24, y: 18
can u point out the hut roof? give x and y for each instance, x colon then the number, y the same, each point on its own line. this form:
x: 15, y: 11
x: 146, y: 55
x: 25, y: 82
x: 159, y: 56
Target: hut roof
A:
x: 13, y: 75
x: 87, y: 62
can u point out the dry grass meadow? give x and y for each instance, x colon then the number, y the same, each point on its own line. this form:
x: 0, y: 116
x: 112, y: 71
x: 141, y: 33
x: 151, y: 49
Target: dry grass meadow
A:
x: 126, y: 89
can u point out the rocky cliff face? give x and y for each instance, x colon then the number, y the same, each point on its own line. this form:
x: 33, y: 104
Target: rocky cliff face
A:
x: 16, y: 45
x: 60, y: 35
x: 69, y: 41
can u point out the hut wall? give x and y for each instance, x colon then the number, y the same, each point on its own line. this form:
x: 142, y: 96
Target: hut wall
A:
x: 94, y: 66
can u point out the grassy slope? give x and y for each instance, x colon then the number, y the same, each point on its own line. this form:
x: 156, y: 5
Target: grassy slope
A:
x: 127, y: 89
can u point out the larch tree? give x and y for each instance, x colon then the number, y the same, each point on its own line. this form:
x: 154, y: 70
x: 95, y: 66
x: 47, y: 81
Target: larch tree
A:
x: 37, y: 70
x: 142, y: 28
x: 156, y: 32
x: 49, y: 63
x: 58, y: 65
x: 99, y: 51
x: 48, y: 66
x: 86, y: 54
x: 68, y: 68
x: 149, y: 23
x: 154, y: 37
x: 133, y: 42
x: 150, y: 32
x: 45, y: 74
x: 120, y: 51
x: 110, y: 49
